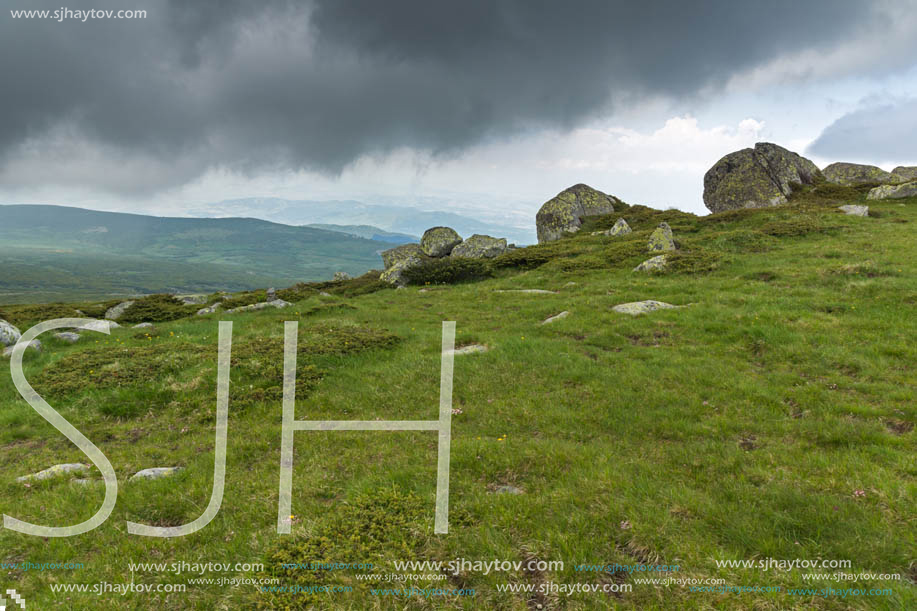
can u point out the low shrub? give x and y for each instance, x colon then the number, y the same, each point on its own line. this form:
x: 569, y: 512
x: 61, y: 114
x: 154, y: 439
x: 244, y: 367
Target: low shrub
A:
x: 157, y: 308
x: 448, y: 270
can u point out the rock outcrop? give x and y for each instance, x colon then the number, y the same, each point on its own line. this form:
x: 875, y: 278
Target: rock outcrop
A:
x: 756, y: 178
x: 564, y: 213
x: 905, y: 173
x: 852, y: 174
x: 908, y: 189
x: 480, y: 247
x: 439, y: 241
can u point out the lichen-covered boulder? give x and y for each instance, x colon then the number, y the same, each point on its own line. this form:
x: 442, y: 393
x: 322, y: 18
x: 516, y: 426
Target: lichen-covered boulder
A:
x: 657, y: 263
x: 854, y: 210
x: 756, y: 178
x: 620, y: 228
x: 850, y: 174
x: 905, y: 173
x: 394, y: 274
x: 661, y: 239
x: 439, y: 241
x: 341, y: 277
x: 480, y: 247
x: 55, y: 471
x: 395, y: 255
x: 118, y: 311
x: 564, y: 213
x: 908, y: 189
x: 9, y: 334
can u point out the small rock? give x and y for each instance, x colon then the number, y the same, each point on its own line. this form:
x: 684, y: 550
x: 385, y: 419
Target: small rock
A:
x: 661, y: 239
x: 341, y: 277
x: 325, y: 294
x: 68, y: 336
x: 275, y: 303
x: 192, y: 299
x: 470, y: 349
x: 271, y: 294
x: 54, y: 471
x: 657, y: 263
x: 144, y: 325
x: 551, y: 319
x: 118, y: 311
x: 33, y: 345
x: 619, y: 228
x: 642, y: 307
x: 155, y: 473
x: 854, y: 210
x: 208, y: 310
x: 9, y: 334
x: 533, y: 291
x: 509, y: 490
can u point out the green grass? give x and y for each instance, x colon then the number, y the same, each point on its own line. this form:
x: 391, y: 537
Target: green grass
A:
x: 736, y: 428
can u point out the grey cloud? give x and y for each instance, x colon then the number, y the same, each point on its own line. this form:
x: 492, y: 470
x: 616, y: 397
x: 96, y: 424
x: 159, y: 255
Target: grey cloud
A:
x: 879, y: 133
x: 315, y: 85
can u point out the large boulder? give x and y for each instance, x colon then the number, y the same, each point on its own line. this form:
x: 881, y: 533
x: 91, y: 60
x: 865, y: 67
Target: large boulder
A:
x: 9, y: 334
x: 439, y: 241
x: 480, y: 247
x: 565, y: 213
x: 908, y: 189
x: 851, y: 174
x: 905, y: 173
x: 392, y: 256
x: 756, y: 178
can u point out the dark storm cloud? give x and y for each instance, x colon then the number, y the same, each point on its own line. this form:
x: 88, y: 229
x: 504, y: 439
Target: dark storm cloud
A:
x: 877, y: 134
x: 254, y: 85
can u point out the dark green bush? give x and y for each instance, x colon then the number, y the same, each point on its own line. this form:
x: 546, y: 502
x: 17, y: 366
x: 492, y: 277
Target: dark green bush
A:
x: 157, y: 308
x: 448, y: 270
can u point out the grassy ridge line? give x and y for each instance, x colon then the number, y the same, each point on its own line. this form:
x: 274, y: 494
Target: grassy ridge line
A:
x: 738, y: 427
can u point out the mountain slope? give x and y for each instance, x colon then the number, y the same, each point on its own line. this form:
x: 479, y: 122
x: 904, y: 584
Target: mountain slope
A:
x: 368, y: 232
x: 67, y: 252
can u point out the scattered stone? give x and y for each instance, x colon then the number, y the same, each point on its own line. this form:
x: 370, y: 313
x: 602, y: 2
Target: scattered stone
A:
x: 564, y: 213
x: 657, y: 263
x: 756, y: 178
x: 509, y: 490
x: 146, y: 325
x: 155, y: 473
x: 68, y: 336
x: 619, y: 228
x: 908, y: 189
x: 480, y: 247
x: 439, y: 241
x: 551, y: 319
x: 324, y: 294
x: 271, y: 294
x: 9, y: 334
x: 341, y: 277
x: 33, y: 345
x: 118, y: 311
x: 55, y: 471
x: 274, y: 303
x: 851, y: 174
x: 570, y: 284
x: 642, y: 307
x: 534, y: 291
x: 854, y: 210
x: 905, y: 173
x: 192, y: 299
x: 208, y: 310
x: 470, y: 349
x: 661, y: 239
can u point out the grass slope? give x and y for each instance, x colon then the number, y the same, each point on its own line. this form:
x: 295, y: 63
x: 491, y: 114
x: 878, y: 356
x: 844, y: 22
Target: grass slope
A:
x: 739, y: 427
x: 60, y: 253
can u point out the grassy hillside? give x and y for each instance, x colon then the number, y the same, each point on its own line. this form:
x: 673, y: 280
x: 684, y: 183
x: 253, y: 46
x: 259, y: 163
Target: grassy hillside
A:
x: 771, y: 418
x: 52, y: 253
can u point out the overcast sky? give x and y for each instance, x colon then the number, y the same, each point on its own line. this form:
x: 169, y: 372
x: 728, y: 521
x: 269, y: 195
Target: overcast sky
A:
x: 486, y: 105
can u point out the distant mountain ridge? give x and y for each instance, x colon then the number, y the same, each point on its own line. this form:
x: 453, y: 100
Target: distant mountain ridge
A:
x: 369, y: 232
x: 59, y: 252
x: 396, y: 219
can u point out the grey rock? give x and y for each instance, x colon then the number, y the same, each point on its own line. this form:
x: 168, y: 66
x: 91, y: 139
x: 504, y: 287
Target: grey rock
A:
x: 325, y: 294
x: 905, y: 173
x: 532, y: 291
x: 143, y: 325
x: 118, y: 311
x: 439, y: 241
x: 656, y: 263
x: 396, y: 255
x: 271, y: 294
x: 551, y: 319
x: 480, y: 247
x: 192, y: 299
x: 908, y: 189
x: 341, y: 276
x: 470, y: 349
x: 756, y: 178
x: 620, y: 228
x: 276, y: 303
x: 208, y: 310
x: 509, y: 490
x: 155, y: 473
x: 854, y: 210
x: 850, y: 174
x: 661, y: 240
x: 9, y: 334
x: 68, y: 336
x: 642, y: 307
x: 55, y: 471
x: 564, y: 213
x: 33, y: 345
